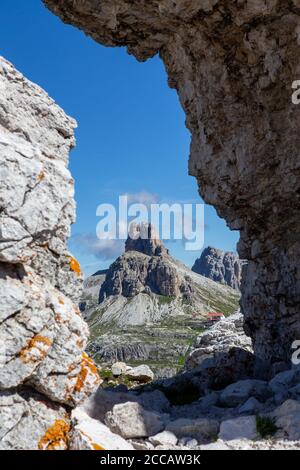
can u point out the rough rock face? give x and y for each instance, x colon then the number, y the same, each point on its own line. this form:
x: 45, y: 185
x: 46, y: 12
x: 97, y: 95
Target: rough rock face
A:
x: 39, y: 281
x: 143, y: 238
x: 132, y: 272
x: 219, y: 339
x: 144, y: 266
x: 232, y: 64
x: 90, y: 291
x: 220, y: 266
x: 147, y: 267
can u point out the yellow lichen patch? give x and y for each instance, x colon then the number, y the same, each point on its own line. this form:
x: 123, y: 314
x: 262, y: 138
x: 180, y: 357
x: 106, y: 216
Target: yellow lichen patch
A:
x: 74, y: 265
x: 36, y: 349
x: 88, y: 368
x: 97, y: 446
x: 56, y: 437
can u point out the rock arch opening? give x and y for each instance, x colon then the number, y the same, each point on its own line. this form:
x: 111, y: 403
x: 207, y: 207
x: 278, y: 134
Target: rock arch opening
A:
x: 232, y: 67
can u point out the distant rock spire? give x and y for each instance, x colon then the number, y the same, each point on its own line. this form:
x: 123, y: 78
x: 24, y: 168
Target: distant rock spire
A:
x: 220, y: 266
x: 144, y: 238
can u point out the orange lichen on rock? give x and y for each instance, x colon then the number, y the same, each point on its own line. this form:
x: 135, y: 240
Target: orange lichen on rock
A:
x: 74, y: 265
x: 56, y: 437
x: 41, y: 176
x: 97, y: 446
x: 88, y: 369
x: 36, y: 349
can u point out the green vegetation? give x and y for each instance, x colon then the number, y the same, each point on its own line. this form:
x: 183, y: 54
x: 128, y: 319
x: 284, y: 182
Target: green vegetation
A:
x: 163, y: 344
x: 166, y: 299
x: 106, y: 374
x: 168, y: 341
x: 181, y: 361
x: 218, y: 303
x: 265, y: 426
x: 110, y: 380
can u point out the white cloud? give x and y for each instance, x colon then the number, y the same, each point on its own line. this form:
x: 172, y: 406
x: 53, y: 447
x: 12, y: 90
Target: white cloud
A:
x: 142, y: 197
x: 101, y: 249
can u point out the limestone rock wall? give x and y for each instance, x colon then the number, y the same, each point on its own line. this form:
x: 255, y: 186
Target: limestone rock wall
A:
x: 43, y: 369
x: 232, y: 64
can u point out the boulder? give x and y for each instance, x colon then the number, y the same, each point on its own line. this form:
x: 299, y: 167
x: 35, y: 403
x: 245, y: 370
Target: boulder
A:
x: 251, y: 406
x: 283, y: 382
x: 219, y: 339
x: 130, y: 420
x: 118, y: 368
x: 99, y: 403
x: 91, y: 434
x: 288, y: 407
x: 141, y: 373
x: 287, y: 419
x: 243, y: 427
x: 154, y: 401
x: 237, y: 393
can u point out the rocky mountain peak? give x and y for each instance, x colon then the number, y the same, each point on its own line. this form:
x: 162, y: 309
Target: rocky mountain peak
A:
x: 144, y: 238
x: 220, y: 266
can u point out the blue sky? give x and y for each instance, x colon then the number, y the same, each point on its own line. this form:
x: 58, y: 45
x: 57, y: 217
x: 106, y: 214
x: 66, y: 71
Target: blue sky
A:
x: 131, y: 136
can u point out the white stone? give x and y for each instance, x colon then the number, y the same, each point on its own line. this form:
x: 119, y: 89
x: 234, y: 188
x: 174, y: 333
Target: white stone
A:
x: 163, y: 438
x: 131, y: 420
x: 118, y: 368
x: 91, y: 434
x: 141, y: 373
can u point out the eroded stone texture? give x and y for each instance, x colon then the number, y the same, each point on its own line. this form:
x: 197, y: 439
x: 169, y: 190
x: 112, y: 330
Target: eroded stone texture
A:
x: 42, y: 335
x: 232, y: 64
x: 220, y: 266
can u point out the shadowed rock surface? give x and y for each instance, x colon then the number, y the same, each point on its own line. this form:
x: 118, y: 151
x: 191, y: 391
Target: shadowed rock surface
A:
x: 232, y: 64
x: 220, y: 266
